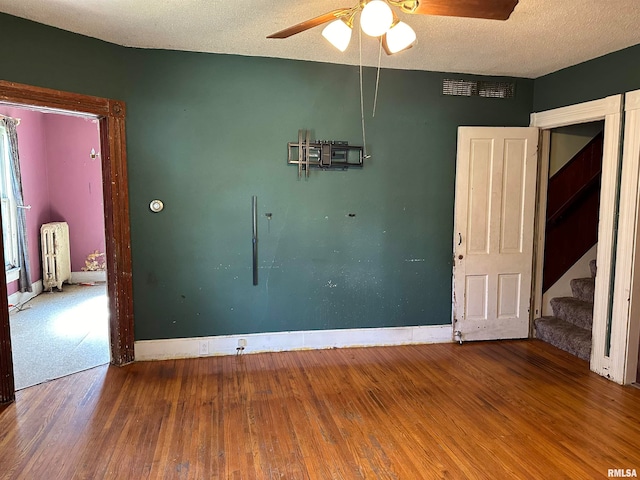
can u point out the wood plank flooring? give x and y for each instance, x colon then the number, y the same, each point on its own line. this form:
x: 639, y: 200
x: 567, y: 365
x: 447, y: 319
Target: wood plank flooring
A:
x: 499, y: 410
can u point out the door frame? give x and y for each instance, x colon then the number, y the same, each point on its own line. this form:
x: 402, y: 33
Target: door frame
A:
x: 625, y: 328
x: 608, y: 109
x: 113, y: 153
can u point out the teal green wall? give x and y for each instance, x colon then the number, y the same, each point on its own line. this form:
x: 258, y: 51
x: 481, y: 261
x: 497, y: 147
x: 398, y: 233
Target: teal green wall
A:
x: 34, y: 54
x: 611, y: 74
x: 206, y: 132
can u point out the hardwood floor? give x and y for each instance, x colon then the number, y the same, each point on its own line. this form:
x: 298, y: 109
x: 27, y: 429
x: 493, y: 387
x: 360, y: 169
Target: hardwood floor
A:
x: 499, y: 410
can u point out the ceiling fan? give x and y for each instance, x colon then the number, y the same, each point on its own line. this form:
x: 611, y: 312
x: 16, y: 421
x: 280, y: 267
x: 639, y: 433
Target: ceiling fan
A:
x: 378, y: 20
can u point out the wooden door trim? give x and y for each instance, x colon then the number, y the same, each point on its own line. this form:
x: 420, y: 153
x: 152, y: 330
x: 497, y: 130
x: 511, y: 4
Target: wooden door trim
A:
x: 113, y: 152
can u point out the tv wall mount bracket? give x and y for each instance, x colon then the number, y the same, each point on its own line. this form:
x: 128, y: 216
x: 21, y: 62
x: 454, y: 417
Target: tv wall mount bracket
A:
x: 322, y: 154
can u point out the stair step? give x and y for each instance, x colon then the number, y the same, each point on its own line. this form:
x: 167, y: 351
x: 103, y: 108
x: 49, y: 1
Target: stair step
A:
x: 564, y: 335
x: 583, y: 288
x: 572, y: 310
x: 593, y: 268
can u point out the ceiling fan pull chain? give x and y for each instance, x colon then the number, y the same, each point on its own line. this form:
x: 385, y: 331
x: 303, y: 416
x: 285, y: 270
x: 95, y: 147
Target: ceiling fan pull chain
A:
x: 364, y: 135
x: 375, y: 96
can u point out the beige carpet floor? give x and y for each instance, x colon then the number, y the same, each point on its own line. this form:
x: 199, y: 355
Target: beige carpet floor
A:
x: 60, y: 333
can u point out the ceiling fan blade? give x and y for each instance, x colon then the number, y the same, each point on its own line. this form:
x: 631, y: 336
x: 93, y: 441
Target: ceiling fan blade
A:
x: 314, y: 22
x: 490, y: 9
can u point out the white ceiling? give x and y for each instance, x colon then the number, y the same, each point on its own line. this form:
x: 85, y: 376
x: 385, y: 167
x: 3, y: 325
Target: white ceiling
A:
x: 541, y: 36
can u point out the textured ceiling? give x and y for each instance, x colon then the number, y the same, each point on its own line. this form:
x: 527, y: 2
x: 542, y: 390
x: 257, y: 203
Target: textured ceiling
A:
x: 541, y: 36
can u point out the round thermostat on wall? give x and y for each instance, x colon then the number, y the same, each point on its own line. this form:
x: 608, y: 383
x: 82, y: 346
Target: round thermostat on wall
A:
x: 156, y: 206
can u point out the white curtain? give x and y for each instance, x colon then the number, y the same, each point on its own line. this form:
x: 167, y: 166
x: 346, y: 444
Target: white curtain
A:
x: 24, y: 282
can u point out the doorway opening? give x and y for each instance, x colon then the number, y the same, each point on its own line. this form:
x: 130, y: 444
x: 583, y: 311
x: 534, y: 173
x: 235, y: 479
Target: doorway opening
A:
x: 64, y: 330
x: 571, y: 236
x: 112, y: 152
x: 609, y: 110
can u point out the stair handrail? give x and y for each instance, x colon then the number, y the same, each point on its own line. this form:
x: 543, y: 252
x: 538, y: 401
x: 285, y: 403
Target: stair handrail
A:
x: 575, y: 198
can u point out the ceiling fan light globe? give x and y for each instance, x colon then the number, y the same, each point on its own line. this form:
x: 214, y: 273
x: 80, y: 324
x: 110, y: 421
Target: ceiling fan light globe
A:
x: 376, y: 18
x: 338, y: 34
x: 399, y: 38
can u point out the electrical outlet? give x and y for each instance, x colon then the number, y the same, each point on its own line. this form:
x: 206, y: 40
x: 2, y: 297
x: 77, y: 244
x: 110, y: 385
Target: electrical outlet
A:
x: 242, y: 343
x: 204, y: 347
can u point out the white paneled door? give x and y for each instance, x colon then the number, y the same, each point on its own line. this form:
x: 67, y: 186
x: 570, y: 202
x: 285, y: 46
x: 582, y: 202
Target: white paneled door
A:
x: 493, y: 239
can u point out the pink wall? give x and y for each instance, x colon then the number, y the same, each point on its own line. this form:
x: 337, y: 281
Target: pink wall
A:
x: 75, y: 183
x: 35, y: 186
x: 60, y: 181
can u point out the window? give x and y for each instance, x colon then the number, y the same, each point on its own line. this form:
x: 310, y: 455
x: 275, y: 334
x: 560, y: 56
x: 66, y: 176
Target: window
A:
x: 9, y: 211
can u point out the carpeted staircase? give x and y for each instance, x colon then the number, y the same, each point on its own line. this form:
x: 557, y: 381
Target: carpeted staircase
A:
x: 570, y: 326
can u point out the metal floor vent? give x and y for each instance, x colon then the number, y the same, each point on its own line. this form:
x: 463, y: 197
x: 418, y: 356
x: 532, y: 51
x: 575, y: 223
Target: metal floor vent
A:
x: 473, y: 88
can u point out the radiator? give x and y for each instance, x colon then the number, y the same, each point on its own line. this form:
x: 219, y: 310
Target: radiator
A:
x: 56, y: 258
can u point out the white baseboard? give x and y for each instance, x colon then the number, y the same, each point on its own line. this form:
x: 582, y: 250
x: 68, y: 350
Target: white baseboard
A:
x: 18, y: 298
x: 88, y: 277
x: 288, y: 341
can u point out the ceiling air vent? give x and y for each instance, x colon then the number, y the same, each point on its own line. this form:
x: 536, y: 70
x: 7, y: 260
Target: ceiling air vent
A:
x: 473, y: 88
